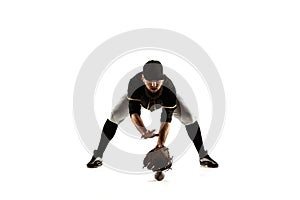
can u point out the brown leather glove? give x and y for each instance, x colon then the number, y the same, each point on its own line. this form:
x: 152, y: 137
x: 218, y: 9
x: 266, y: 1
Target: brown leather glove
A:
x: 158, y: 159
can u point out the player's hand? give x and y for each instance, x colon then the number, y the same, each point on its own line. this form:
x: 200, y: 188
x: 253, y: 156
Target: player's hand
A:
x: 149, y: 134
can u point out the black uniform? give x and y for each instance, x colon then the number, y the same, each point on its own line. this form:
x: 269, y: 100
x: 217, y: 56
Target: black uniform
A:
x: 165, y: 98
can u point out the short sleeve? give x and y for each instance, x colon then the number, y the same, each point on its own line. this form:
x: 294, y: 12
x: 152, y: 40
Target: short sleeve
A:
x: 134, y: 107
x: 134, y: 99
x: 169, y: 105
x: 166, y: 114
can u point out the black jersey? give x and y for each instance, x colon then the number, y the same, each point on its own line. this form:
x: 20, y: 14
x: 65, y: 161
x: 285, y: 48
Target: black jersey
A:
x: 164, y: 98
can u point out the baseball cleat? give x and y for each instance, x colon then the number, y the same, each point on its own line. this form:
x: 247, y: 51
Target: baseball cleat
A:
x: 207, y: 161
x: 94, y: 162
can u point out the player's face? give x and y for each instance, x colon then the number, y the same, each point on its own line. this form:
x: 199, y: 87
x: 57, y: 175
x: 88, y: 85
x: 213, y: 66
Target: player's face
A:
x: 154, y: 85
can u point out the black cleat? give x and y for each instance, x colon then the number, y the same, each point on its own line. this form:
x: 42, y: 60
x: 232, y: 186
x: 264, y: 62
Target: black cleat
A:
x: 207, y: 161
x: 94, y: 163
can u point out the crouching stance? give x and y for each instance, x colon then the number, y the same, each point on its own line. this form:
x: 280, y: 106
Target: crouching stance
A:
x: 152, y: 90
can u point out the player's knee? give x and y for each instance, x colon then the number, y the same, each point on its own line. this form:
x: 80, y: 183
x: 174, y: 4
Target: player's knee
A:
x: 116, y: 117
x: 113, y: 118
x: 188, y: 119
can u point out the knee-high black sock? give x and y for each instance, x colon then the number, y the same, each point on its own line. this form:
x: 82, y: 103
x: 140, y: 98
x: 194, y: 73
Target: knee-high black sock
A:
x: 194, y: 133
x: 108, y: 132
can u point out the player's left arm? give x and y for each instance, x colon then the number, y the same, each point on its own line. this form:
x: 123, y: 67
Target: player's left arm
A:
x: 166, y: 118
x: 168, y: 108
x: 163, y: 133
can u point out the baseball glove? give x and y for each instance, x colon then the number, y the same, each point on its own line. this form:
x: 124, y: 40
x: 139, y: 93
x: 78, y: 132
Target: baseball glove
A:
x: 158, y: 159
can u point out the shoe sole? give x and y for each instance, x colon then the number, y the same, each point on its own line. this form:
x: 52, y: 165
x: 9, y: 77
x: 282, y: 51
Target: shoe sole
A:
x: 95, y: 165
x: 206, y: 166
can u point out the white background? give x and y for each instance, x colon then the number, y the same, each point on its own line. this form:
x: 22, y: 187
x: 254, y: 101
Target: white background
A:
x: 255, y: 46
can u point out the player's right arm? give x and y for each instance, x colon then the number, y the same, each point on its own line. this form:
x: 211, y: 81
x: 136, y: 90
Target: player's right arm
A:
x: 134, y: 97
x: 138, y: 123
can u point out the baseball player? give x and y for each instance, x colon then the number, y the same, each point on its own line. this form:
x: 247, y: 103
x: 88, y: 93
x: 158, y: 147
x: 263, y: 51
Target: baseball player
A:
x: 151, y: 89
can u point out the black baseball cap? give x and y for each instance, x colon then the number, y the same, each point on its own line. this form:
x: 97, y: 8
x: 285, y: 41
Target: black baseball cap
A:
x: 153, y: 70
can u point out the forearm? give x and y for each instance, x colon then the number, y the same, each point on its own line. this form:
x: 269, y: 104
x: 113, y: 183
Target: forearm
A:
x: 163, y: 133
x: 138, y: 123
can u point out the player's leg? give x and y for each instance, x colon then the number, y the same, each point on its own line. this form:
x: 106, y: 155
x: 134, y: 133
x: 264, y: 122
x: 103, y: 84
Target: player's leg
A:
x: 119, y: 113
x: 183, y: 114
